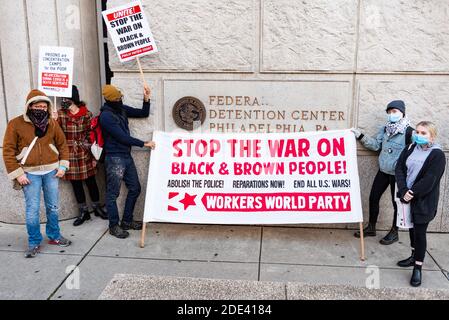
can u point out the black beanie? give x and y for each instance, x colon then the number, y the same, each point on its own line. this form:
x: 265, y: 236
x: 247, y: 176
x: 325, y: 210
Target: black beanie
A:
x: 75, y: 95
x: 396, y: 104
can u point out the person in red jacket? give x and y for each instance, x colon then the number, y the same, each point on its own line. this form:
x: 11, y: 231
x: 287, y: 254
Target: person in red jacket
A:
x: 74, y: 119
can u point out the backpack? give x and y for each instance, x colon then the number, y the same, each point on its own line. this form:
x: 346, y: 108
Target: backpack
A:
x: 96, y: 139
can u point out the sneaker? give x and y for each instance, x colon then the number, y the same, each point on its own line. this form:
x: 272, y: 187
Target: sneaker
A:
x: 32, y: 251
x: 134, y: 225
x: 118, y: 232
x: 62, y: 242
x: 391, y: 237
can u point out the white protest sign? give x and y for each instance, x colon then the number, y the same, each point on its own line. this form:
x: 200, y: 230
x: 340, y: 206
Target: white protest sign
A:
x: 130, y: 31
x: 308, y: 177
x: 56, y: 71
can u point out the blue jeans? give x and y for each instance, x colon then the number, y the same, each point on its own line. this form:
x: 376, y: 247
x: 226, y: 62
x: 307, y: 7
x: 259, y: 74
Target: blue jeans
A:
x: 120, y: 168
x: 49, y: 184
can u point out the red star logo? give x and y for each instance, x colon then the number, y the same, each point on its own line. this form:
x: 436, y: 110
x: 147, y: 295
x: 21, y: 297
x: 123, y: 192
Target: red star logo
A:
x: 188, y: 201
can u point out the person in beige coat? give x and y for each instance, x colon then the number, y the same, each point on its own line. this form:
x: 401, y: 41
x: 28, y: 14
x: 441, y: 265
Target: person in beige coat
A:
x: 36, y: 156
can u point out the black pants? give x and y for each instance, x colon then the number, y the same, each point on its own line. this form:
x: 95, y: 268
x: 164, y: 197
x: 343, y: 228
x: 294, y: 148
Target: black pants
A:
x: 79, y: 190
x: 418, y: 240
x: 380, y: 184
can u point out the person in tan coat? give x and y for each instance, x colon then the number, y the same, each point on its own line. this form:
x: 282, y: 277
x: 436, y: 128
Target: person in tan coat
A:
x: 36, y: 156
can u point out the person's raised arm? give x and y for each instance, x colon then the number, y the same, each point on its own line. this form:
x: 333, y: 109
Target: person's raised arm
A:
x: 145, y: 111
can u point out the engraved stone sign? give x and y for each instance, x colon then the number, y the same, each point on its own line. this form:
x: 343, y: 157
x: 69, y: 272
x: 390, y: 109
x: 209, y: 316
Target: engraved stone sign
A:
x: 256, y: 106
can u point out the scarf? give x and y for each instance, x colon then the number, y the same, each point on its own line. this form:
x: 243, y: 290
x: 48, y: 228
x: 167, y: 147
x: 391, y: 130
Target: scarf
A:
x: 392, y: 128
x: 116, y: 105
x: 82, y: 112
x: 40, y: 120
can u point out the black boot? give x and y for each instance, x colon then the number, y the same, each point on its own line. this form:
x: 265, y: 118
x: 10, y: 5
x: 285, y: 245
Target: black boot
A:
x: 118, y: 232
x: 133, y: 225
x: 409, y: 262
x: 84, y: 216
x: 99, y: 212
x: 391, y: 237
x: 415, y: 281
x: 368, y: 231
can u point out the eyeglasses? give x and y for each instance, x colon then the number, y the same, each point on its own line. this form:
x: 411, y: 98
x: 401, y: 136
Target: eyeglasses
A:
x: 39, y: 105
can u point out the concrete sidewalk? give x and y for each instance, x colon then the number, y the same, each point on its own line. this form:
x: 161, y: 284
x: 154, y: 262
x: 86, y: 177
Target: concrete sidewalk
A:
x: 252, y: 253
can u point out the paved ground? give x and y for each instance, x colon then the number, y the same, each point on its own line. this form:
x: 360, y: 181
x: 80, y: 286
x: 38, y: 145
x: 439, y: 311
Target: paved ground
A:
x: 252, y: 253
x: 143, y: 287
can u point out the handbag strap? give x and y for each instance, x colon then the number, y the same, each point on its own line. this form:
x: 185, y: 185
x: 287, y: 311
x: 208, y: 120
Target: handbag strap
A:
x: 28, y: 151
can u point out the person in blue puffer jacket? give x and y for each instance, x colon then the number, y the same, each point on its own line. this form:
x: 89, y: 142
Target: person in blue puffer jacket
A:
x: 390, y: 140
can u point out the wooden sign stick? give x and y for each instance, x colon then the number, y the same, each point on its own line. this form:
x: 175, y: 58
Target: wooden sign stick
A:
x: 144, y: 226
x: 141, y: 71
x: 142, y: 236
x: 362, y: 243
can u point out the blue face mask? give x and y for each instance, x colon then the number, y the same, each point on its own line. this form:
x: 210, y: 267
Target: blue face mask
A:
x: 419, y: 139
x: 394, y: 117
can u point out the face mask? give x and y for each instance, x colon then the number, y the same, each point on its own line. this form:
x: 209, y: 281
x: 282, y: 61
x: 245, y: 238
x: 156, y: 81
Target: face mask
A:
x: 39, y: 118
x: 419, y: 139
x: 394, y: 117
x: 117, y: 105
x: 65, y: 104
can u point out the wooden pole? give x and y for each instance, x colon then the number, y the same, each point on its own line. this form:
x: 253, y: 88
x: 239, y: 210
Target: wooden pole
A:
x: 142, y: 236
x: 144, y: 226
x: 55, y: 109
x: 141, y: 71
x: 362, y: 243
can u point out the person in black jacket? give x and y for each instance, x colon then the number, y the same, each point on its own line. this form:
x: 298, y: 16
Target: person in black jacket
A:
x: 119, y: 163
x: 418, y: 174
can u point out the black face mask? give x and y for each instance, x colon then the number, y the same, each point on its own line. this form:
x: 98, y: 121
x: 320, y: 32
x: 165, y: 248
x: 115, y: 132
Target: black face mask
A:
x: 116, y: 105
x: 65, y: 104
x: 40, y: 120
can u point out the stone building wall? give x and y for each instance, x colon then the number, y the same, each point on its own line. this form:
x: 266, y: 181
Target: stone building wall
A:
x: 362, y: 53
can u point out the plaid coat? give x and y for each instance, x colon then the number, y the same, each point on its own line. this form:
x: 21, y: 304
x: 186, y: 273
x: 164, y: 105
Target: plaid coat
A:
x: 76, y: 129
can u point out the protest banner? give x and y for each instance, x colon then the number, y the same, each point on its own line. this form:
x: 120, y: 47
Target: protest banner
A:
x: 287, y: 178
x: 130, y: 32
x: 56, y: 71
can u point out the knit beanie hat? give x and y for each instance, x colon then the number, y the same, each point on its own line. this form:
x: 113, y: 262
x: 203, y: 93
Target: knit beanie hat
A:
x: 75, y: 95
x: 396, y: 104
x: 111, y: 93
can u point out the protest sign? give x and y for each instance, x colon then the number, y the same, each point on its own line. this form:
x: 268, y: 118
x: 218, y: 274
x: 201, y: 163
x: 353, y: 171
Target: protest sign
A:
x: 56, y: 71
x: 404, y: 215
x: 130, y: 31
x: 287, y: 178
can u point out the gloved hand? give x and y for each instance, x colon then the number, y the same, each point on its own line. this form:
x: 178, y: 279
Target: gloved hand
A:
x: 357, y: 133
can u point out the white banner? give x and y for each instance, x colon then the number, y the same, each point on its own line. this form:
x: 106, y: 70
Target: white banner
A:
x: 56, y: 71
x: 130, y: 31
x: 308, y: 177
